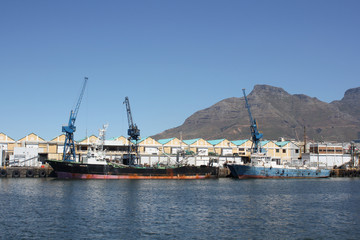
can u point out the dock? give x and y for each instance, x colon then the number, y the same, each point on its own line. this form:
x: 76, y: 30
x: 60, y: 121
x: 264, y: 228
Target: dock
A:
x: 345, y: 173
x: 26, y: 172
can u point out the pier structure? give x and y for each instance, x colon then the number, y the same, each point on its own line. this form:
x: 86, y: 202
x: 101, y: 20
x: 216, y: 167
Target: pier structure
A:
x: 28, y: 172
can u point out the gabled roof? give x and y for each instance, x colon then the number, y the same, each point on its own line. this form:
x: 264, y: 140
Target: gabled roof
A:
x: 281, y: 144
x: 240, y: 142
x: 114, y: 138
x: 165, y: 141
x: 142, y: 139
x: 6, y: 137
x: 33, y: 137
x: 191, y: 141
x: 119, y: 138
x: 146, y: 141
x: 58, y: 138
x: 216, y: 142
x: 92, y: 136
x: 264, y: 142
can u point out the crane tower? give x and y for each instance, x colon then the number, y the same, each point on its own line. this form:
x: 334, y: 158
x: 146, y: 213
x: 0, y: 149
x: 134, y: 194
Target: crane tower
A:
x: 133, y: 132
x: 69, y: 144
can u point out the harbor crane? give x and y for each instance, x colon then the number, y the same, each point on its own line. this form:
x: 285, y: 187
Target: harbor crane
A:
x: 69, y: 144
x: 255, y: 134
x: 133, y: 132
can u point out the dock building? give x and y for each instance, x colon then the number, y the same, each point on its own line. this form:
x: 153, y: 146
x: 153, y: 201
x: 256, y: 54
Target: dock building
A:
x: 33, y: 150
x: 327, y: 155
x: 198, y: 146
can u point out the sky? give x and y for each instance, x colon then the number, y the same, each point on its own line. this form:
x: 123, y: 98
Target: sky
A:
x: 170, y: 57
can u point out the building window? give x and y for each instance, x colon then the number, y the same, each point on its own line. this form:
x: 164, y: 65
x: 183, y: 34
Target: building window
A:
x: 111, y: 148
x: 277, y: 150
x: 284, y: 150
x: 296, y: 150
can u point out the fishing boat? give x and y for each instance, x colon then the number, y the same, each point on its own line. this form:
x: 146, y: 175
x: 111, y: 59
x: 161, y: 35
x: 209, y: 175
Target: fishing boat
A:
x: 95, y: 166
x: 262, y: 166
x: 109, y: 170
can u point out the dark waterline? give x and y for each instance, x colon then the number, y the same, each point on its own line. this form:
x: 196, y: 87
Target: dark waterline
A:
x: 180, y: 209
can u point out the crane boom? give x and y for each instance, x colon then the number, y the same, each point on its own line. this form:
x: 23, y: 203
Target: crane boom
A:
x: 69, y: 144
x: 255, y: 134
x: 128, y: 110
x: 80, y: 99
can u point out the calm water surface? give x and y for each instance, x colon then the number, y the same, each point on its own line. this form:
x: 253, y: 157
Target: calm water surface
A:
x: 180, y: 209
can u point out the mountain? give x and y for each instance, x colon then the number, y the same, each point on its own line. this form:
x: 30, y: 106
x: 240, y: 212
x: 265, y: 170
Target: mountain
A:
x: 350, y: 102
x: 278, y: 114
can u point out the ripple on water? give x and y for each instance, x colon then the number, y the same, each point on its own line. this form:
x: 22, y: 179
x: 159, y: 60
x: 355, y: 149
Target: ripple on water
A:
x: 162, y: 209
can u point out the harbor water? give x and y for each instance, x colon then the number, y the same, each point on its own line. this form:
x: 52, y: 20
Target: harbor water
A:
x: 180, y: 209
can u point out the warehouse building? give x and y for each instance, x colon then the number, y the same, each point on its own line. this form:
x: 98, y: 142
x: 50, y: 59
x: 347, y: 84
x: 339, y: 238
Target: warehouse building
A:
x: 326, y: 155
x: 198, y: 146
x: 34, y: 150
x: 223, y: 147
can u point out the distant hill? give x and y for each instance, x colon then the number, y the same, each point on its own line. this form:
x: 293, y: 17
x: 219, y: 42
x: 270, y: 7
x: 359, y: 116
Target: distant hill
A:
x: 279, y: 114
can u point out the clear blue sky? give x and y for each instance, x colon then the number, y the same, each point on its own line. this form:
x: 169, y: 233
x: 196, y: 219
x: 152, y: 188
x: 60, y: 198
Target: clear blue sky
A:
x: 171, y: 58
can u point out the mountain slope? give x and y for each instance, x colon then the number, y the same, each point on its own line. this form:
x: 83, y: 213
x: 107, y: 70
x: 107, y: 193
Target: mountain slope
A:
x: 350, y: 103
x: 278, y: 113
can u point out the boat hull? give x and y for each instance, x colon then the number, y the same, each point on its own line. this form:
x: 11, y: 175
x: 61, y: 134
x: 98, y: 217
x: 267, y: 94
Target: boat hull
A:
x: 247, y: 171
x: 72, y: 170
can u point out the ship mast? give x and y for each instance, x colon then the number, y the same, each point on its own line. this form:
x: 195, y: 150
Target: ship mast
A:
x: 304, y: 139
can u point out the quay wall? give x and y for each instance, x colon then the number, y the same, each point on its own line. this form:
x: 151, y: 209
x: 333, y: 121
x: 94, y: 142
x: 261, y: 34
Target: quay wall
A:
x: 26, y: 172
x: 345, y: 173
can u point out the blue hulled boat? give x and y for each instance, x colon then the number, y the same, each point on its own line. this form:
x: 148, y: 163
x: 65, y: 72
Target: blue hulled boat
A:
x: 261, y: 166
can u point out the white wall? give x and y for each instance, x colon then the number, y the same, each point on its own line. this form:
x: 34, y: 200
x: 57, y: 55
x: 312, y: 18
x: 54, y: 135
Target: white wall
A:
x: 22, y: 156
x: 190, y: 160
x: 227, y: 151
x: 326, y: 160
x: 151, y: 150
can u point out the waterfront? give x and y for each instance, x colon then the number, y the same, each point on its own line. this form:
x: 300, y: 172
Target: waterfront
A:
x: 181, y: 209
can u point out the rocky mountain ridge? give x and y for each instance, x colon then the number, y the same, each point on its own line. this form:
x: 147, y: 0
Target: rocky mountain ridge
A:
x: 278, y: 114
